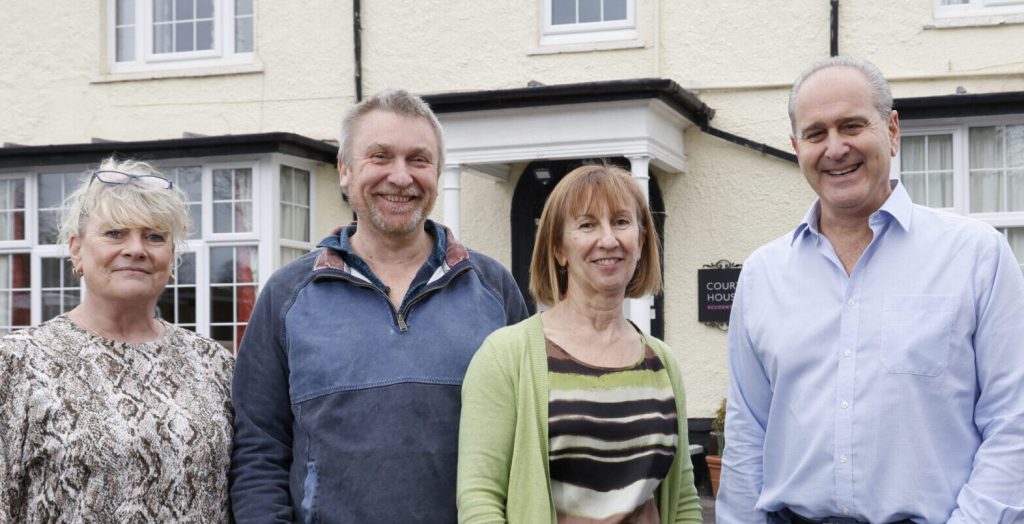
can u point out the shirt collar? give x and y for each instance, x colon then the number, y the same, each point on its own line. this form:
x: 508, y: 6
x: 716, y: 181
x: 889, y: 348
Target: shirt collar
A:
x: 897, y: 207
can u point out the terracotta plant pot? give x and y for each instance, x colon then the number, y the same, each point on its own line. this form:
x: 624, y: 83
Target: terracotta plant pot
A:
x: 714, y: 471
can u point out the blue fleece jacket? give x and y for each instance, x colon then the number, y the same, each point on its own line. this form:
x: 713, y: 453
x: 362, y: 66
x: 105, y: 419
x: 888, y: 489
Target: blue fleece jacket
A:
x: 346, y: 409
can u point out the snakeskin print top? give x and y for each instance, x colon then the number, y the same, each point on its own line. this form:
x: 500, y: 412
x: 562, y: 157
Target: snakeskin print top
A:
x: 93, y: 430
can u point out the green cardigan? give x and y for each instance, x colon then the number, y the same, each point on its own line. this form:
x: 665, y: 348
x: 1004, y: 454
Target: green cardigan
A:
x: 503, y: 434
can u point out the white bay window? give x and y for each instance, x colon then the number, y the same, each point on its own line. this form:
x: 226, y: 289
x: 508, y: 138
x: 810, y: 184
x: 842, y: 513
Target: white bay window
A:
x: 248, y: 213
x: 971, y: 166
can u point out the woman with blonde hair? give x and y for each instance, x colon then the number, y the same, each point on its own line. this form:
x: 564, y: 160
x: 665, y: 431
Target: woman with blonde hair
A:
x: 574, y: 415
x: 110, y: 414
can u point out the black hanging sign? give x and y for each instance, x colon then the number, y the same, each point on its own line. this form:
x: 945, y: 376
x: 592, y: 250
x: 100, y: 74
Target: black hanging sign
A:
x: 716, y: 286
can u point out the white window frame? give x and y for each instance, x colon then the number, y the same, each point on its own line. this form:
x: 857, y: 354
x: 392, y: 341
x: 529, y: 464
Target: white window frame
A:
x: 587, y: 32
x: 959, y: 127
x: 978, y: 8
x: 222, y: 54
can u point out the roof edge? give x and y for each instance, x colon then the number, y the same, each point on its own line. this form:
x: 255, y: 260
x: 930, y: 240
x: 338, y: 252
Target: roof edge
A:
x: 681, y: 100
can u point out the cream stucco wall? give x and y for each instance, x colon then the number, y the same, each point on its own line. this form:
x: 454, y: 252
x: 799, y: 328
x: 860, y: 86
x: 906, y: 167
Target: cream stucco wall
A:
x: 739, y: 60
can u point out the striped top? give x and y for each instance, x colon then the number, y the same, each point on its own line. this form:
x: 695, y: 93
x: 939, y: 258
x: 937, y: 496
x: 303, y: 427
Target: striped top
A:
x: 613, y: 436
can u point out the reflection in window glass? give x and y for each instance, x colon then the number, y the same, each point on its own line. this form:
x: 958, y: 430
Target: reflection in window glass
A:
x: 177, y: 303
x: 233, y: 285
x: 61, y: 291
x: 15, y: 292
x: 232, y: 200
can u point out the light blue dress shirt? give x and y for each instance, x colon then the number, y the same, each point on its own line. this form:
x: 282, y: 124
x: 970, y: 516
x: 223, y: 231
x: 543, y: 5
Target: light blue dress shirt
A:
x: 894, y: 392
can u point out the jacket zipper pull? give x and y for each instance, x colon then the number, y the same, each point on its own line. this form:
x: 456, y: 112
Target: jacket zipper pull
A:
x: 402, y: 326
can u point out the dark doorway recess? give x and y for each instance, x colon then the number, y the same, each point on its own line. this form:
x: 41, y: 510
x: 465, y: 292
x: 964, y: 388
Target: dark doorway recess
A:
x: 532, y: 191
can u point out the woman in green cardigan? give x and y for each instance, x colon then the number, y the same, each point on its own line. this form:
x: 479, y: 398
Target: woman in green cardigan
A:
x: 575, y: 416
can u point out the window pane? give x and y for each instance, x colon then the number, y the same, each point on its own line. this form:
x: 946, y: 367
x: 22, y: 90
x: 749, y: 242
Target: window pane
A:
x: 204, y: 35
x: 15, y: 295
x: 1015, y: 236
x: 189, y: 179
x: 614, y: 9
x: 986, y: 192
x: 243, y: 35
x: 243, y: 7
x: 60, y: 291
x: 204, y: 8
x: 302, y: 187
x: 48, y: 226
x: 232, y: 300
x: 51, y: 190
x: 563, y: 12
x: 1015, y: 146
x: 243, y: 184
x: 162, y: 11
x: 940, y: 152
x: 163, y: 38
x: 222, y: 307
x: 222, y: 184
x: 125, y: 44
x: 954, y: 2
x: 986, y: 149
x: 222, y: 270
x: 183, y: 10
x: 590, y: 11
x: 912, y: 157
x: 222, y: 218
x: 183, y: 34
x: 186, y: 272
x: 1015, y: 190
x: 125, y: 12
x: 286, y: 184
x: 12, y: 209
x: 915, y: 186
x: 243, y: 217
x: 940, y: 189
x: 289, y: 253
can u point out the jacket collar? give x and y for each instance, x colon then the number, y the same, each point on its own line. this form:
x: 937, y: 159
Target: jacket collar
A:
x: 337, y: 242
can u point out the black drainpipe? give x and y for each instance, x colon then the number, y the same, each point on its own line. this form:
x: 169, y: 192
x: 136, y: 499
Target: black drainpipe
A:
x: 834, y: 33
x: 357, y: 32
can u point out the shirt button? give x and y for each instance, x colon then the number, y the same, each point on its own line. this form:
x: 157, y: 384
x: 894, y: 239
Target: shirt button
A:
x: 847, y: 353
x: 850, y: 302
x: 846, y: 510
x: 842, y: 459
x: 845, y: 404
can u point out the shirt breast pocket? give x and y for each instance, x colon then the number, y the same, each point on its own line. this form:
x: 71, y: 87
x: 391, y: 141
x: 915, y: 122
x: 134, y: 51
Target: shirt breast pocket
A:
x: 916, y: 333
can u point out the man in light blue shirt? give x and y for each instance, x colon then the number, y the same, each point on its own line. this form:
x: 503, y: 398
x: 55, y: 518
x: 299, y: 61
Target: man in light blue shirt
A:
x: 876, y: 352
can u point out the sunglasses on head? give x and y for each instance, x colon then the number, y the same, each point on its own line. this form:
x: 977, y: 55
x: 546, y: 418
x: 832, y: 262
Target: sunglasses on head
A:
x: 117, y: 177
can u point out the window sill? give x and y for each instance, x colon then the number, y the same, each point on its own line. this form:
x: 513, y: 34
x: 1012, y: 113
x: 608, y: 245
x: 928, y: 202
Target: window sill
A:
x: 186, y: 72
x: 584, y: 47
x: 975, y: 21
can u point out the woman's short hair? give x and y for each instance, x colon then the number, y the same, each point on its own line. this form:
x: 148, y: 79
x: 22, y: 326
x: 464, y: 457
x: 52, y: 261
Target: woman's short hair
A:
x: 583, y: 189
x: 126, y: 205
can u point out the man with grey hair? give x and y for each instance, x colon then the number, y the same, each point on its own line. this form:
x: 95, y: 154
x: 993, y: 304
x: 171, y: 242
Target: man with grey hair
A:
x: 347, y: 383
x: 876, y: 353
